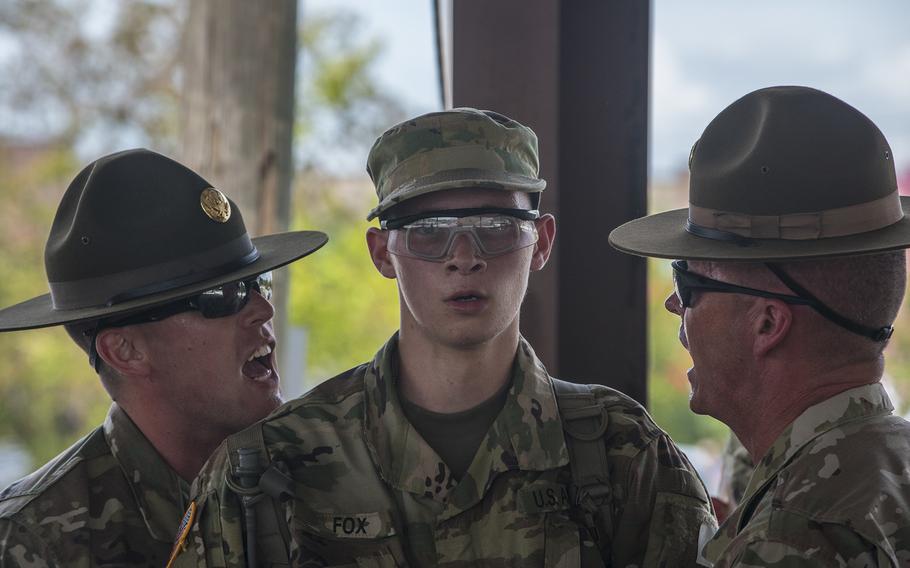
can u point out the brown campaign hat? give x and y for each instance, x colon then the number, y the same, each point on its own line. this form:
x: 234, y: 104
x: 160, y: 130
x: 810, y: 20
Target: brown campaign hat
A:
x: 783, y: 173
x: 135, y: 230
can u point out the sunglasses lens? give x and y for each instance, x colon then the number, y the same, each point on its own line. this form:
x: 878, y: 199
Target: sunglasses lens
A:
x: 223, y: 300
x: 683, y: 292
x: 263, y: 284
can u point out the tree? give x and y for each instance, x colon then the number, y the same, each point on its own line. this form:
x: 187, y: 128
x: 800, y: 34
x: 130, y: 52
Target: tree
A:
x: 80, y: 78
x: 239, y: 63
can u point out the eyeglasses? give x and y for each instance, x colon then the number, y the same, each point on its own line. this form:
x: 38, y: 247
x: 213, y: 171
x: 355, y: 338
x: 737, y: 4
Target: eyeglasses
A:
x: 493, y: 231
x: 218, y: 302
x: 685, y: 282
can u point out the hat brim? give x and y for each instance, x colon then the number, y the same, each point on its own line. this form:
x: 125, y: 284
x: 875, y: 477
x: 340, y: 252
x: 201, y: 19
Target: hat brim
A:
x: 274, y: 251
x: 664, y: 235
x: 459, y: 179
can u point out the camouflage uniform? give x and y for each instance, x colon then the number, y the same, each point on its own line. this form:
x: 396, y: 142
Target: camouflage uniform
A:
x: 369, y: 491
x: 820, y: 497
x: 109, y: 500
x: 736, y: 472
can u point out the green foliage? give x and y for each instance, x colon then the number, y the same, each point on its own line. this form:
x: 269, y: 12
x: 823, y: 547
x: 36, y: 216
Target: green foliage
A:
x: 79, y: 69
x: 117, y: 79
x: 348, y: 308
x: 48, y: 392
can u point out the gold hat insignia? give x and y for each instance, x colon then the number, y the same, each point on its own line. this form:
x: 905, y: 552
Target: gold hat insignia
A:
x: 215, y: 205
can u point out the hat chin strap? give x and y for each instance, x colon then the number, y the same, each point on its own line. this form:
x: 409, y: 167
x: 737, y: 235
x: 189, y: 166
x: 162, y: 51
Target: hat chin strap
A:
x: 877, y: 334
x: 839, y: 222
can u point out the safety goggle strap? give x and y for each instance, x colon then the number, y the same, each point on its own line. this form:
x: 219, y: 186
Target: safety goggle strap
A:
x: 399, y: 222
x: 877, y: 334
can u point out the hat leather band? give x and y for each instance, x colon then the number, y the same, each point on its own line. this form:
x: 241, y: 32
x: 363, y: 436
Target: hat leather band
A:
x: 112, y: 289
x: 839, y: 222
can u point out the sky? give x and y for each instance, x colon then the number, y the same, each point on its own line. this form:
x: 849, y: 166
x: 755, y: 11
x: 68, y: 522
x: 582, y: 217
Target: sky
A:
x: 705, y: 55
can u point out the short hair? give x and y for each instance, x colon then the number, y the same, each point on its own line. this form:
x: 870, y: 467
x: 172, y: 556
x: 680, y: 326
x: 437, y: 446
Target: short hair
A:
x: 82, y: 334
x: 867, y: 289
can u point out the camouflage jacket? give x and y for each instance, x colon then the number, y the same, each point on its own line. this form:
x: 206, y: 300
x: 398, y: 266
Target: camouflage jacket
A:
x: 833, y: 490
x: 371, y: 492
x: 109, y: 500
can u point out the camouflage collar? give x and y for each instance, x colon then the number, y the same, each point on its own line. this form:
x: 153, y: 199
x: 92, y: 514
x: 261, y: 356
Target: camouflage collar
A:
x: 527, y: 434
x: 854, y: 404
x: 159, y: 492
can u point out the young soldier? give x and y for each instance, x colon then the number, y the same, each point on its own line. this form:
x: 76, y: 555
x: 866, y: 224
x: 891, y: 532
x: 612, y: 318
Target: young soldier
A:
x: 793, y: 273
x: 152, y: 272
x: 454, y: 447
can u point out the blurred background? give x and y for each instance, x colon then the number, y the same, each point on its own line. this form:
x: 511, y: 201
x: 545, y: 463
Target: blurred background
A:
x: 82, y: 78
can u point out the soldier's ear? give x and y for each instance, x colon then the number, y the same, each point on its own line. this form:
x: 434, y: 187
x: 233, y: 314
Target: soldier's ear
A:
x: 119, y: 349
x: 771, y: 323
x: 546, y: 234
x: 377, y: 243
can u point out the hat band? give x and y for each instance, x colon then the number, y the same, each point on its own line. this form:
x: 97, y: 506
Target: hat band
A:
x: 112, y: 289
x: 839, y: 222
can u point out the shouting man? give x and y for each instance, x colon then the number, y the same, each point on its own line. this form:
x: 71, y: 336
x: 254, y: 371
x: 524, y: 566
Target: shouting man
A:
x: 153, y: 274
x: 791, y: 271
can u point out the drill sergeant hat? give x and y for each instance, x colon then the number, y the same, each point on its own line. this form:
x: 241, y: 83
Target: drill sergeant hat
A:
x: 458, y: 148
x: 784, y: 173
x: 136, y: 230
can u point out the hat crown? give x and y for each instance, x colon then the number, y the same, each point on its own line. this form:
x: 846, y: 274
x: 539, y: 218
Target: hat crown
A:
x: 789, y: 150
x: 133, y: 222
x: 462, y: 143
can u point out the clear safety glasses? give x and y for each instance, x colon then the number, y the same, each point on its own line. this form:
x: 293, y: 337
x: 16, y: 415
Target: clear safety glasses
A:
x: 493, y: 232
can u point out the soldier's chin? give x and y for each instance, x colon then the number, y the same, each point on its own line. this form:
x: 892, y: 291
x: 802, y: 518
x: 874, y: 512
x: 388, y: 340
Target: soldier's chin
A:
x: 694, y: 402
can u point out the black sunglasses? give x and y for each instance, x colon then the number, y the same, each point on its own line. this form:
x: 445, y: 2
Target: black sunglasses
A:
x: 218, y: 302
x: 684, y: 282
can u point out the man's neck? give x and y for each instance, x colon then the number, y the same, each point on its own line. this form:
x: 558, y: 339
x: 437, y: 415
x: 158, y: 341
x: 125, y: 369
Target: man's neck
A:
x: 759, y: 429
x: 447, y: 379
x: 184, y: 447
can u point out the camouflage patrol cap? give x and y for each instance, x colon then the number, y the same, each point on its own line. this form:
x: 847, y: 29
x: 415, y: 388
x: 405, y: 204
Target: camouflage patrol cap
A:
x: 462, y: 147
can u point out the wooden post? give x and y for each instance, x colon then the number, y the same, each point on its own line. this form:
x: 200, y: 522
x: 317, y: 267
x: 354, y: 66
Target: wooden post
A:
x: 237, y: 114
x: 576, y: 71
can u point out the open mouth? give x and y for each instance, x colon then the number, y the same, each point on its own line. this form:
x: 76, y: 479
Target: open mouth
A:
x: 259, y: 366
x: 465, y: 296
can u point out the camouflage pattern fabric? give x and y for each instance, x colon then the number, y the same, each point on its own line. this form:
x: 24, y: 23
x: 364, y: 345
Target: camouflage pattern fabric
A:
x: 736, y: 472
x: 833, y: 490
x: 109, y: 500
x: 458, y: 148
x: 371, y: 492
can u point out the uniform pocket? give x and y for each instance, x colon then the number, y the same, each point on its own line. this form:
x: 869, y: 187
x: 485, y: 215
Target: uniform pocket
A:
x: 363, y: 540
x: 562, y: 543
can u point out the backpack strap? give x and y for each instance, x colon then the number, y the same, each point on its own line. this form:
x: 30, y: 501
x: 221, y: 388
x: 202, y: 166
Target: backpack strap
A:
x: 261, y: 493
x: 584, y: 421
